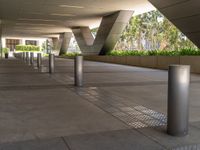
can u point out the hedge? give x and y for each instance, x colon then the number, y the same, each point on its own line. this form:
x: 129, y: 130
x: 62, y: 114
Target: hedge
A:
x: 182, y: 52
x: 6, y: 50
x: 27, y: 48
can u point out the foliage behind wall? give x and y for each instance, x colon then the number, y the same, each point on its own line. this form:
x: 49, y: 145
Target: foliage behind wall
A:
x: 27, y: 48
x: 152, y: 31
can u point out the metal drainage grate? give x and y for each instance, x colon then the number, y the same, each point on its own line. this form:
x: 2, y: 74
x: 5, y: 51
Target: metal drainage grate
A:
x: 137, y: 124
x: 136, y: 116
x: 187, y: 147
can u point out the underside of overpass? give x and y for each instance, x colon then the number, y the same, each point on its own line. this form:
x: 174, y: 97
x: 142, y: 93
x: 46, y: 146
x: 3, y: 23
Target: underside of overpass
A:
x: 57, y: 19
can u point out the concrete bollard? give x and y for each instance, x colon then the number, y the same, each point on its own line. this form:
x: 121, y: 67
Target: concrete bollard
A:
x: 32, y: 58
x: 51, y: 63
x: 78, y: 71
x: 39, y: 60
x: 178, y: 100
x: 24, y: 56
x: 27, y: 58
x: 19, y: 55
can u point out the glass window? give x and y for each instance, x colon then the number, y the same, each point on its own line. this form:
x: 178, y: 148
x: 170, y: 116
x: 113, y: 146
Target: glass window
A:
x: 11, y: 43
x: 31, y: 42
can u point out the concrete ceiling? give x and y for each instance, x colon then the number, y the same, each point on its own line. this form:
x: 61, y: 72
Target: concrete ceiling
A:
x: 46, y: 17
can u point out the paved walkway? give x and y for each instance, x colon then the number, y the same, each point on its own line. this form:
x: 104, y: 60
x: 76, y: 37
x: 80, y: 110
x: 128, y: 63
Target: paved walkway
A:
x: 119, y: 108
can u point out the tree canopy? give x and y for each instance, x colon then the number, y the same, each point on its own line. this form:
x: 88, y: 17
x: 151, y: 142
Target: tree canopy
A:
x: 152, y: 31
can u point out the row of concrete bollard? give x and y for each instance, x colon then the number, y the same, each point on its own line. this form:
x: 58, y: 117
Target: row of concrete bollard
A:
x: 178, y: 95
x: 29, y: 58
x: 78, y: 65
x: 178, y: 92
x: 78, y: 69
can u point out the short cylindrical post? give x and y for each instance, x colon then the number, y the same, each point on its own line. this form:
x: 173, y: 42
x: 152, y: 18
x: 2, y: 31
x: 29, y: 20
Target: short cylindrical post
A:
x: 27, y: 57
x: 51, y: 63
x: 78, y: 71
x: 32, y: 58
x: 178, y: 100
x: 39, y: 60
x: 24, y: 56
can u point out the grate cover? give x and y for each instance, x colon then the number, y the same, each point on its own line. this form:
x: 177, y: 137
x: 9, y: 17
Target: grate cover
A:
x: 187, y: 147
x: 136, y: 116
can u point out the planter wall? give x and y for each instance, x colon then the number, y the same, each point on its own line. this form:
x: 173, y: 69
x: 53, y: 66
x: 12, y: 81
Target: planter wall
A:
x: 163, y: 62
x: 148, y: 61
x: 133, y: 60
x: 193, y: 61
x: 157, y: 62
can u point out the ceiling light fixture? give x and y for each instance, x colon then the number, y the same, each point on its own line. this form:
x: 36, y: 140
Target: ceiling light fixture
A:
x: 31, y: 24
x: 64, y: 15
x: 72, y: 6
x: 35, y: 13
x: 33, y: 19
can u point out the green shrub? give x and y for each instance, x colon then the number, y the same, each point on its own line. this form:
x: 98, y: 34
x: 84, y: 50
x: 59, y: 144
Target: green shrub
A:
x: 45, y: 55
x: 189, y: 52
x: 181, y: 52
x: 6, y: 50
x: 127, y: 53
x: 167, y: 53
x: 31, y: 48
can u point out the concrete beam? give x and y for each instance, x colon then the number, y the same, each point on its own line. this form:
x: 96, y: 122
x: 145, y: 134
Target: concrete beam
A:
x: 108, y: 34
x: 64, y: 42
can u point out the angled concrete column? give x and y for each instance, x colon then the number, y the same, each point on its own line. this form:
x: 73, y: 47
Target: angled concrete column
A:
x: 85, y: 40
x: 108, y: 34
x: 111, y: 29
x: 55, y: 42
x: 64, y: 42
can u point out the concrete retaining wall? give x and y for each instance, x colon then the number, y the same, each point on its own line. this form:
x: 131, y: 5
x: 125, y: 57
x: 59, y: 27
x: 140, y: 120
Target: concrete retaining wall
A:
x: 157, y: 62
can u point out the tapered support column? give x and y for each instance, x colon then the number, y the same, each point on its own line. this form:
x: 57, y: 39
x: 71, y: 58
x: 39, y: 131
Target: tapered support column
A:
x: 178, y: 100
x: 65, y: 39
x: 39, y: 60
x: 51, y: 63
x: 32, y: 58
x: 108, y: 34
x: 27, y: 58
x: 78, y: 71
